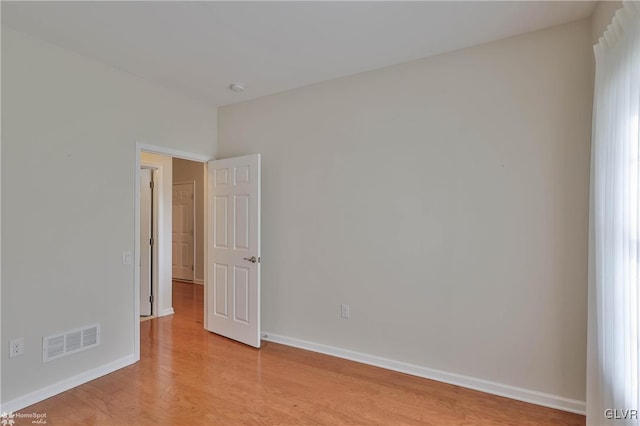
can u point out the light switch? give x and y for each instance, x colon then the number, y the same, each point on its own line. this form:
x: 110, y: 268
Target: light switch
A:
x: 126, y: 258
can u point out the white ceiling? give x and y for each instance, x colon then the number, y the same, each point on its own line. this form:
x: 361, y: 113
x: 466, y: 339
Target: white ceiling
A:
x: 199, y: 48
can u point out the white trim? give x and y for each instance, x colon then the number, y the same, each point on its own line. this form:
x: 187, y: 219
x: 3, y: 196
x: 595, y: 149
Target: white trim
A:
x: 198, y: 281
x: 170, y: 152
x: 520, y: 394
x: 167, y: 311
x: 66, y: 384
x: 205, y: 233
x: 136, y: 254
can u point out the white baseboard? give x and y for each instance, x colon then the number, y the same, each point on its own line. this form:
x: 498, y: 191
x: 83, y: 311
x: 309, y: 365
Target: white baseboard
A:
x: 64, y: 385
x: 526, y: 395
x: 166, y: 311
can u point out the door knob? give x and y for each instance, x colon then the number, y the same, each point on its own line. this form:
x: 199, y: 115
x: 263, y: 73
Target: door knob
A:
x: 252, y: 259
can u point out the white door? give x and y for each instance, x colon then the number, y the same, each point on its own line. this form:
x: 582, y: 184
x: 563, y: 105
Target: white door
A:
x: 182, y: 245
x: 233, y: 243
x: 146, y: 227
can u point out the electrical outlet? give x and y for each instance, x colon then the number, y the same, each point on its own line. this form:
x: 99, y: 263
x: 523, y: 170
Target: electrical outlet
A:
x: 345, y: 311
x: 16, y: 347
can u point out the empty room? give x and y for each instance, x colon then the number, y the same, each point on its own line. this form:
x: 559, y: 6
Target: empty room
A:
x: 284, y: 213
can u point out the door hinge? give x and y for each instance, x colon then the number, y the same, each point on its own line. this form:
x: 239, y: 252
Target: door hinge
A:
x: 151, y: 184
x: 151, y: 298
x: 192, y: 267
x: 151, y: 241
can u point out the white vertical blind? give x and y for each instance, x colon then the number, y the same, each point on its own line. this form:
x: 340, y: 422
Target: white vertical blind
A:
x: 614, y: 321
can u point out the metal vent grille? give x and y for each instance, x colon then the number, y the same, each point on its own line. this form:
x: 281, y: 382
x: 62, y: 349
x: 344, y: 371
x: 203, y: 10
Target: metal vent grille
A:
x: 55, y: 346
x: 72, y: 341
x: 59, y: 345
x: 90, y: 336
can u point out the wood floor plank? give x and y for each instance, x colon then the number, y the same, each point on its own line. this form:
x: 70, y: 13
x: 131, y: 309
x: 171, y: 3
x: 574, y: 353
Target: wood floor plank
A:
x: 188, y: 376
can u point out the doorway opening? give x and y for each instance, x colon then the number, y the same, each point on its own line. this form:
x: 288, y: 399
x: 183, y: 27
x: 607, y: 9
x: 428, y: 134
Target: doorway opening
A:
x: 188, y: 237
x: 231, y: 196
x: 153, y: 271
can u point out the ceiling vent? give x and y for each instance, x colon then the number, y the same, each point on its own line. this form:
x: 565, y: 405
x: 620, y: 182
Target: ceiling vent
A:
x: 59, y: 345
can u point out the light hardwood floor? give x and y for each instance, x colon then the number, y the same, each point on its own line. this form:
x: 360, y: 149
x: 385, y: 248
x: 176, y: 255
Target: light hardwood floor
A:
x: 187, y: 376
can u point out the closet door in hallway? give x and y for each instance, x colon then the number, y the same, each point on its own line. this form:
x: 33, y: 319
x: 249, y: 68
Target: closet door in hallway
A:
x: 183, y: 232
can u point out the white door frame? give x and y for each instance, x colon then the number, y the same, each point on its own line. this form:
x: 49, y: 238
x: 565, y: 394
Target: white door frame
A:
x: 195, y: 225
x: 152, y: 149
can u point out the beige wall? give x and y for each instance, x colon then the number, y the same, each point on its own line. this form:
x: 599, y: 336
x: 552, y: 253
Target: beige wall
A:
x: 69, y: 128
x: 192, y: 171
x: 446, y: 200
